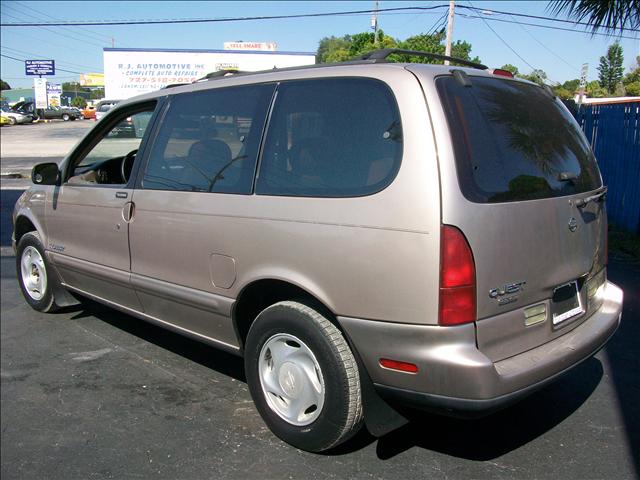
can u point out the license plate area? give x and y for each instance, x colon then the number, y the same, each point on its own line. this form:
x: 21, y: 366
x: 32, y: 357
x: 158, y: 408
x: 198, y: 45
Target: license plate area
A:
x: 566, y: 303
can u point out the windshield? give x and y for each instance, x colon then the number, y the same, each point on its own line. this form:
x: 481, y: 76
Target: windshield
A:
x: 513, y: 141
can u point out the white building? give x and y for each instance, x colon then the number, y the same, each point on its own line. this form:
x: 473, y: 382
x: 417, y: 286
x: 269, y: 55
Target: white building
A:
x: 133, y: 71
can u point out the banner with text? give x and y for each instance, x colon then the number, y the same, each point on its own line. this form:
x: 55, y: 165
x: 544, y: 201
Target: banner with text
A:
x: 129, y: 72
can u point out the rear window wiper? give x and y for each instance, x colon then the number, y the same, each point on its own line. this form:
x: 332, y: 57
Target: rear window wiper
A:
x: 582, y: 202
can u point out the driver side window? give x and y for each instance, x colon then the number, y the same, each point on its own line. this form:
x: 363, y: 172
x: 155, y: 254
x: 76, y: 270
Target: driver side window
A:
x: 110, y: 161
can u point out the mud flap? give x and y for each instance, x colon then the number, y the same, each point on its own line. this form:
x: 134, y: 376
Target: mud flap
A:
x: 380, y: 418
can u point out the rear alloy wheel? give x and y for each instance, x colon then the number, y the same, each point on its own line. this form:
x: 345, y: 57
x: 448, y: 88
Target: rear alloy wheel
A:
x: 33, y: 273
x: 303, y: 377
x: 65, y: 117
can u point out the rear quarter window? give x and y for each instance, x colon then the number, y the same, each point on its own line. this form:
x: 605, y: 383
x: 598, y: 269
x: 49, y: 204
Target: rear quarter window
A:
x: 512, y: 141
x: 331, y: 137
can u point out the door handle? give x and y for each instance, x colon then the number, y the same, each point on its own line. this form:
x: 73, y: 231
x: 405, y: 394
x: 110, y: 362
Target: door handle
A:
x: 122, y: 194
x: 127, y: 212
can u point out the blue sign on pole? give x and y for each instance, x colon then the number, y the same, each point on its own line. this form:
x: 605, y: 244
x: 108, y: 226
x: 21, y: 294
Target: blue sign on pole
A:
x: 39, y: 67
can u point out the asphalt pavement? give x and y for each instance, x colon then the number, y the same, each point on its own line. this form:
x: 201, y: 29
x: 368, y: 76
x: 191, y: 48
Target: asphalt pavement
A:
x: 90, y: 392
x: 93, y: 393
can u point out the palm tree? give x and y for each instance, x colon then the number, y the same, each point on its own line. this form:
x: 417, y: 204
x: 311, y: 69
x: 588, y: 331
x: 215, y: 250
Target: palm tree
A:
x: 608, y: 15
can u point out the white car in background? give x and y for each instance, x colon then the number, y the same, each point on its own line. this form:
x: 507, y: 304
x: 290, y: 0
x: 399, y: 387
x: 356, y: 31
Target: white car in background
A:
x: 15, y: 117
x: 103, y: 107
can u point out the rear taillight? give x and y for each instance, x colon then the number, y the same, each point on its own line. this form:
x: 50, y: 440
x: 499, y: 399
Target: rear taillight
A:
x: 457, y: 278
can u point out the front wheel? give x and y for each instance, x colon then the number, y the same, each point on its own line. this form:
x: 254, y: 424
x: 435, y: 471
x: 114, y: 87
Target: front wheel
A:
x: 33, y: 273
x: 303, y: 377
x: 12, y: 121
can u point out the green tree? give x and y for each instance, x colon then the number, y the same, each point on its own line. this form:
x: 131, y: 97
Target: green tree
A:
x: 563, y: 93
x: 594, y: 90
x: 572, y: 85
x: 609, y: 15
x: 365, y: 42
x: 337, y: 49
x: 631, y: 80
x: 4, y: 85
x: 510, y: 68
x: 610, y: 68
x: 333, y: 49
x: 78, y: 102
x: 537, y: 76
x: 72, y: 87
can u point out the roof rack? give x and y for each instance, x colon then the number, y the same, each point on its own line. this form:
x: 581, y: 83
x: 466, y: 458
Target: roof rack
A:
x: 381, y: 55
x: 221, y: 73
x: 173, y: 85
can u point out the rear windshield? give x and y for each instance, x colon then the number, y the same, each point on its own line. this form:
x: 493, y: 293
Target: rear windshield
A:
x: 513, y: 142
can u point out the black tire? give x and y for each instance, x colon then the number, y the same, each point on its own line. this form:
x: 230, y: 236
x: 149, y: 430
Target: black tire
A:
x: 341, y: 415
x: 65, y: 117
x: 47, y: 302
x: 12, y: 121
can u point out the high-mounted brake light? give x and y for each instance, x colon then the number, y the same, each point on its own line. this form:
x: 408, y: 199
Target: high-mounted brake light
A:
x: 457, y: 278
x: 502, y: 73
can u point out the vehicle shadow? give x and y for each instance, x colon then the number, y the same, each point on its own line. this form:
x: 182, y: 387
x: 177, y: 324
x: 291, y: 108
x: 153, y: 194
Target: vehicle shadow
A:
x: 622, y: 354
x: 477, y: 439
x: 196, y: 351
x: 502, y: 432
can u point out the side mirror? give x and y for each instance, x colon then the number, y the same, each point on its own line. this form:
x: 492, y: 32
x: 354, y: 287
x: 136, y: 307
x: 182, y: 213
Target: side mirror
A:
x: 45, y: 174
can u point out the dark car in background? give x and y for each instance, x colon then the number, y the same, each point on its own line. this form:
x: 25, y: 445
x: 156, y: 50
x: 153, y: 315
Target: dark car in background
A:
x: 50, y: 113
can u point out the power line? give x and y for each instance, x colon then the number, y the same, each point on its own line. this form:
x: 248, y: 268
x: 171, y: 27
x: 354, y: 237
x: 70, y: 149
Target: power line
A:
x: 95, y: 35
x: 22, y: 60
x: 216, y: 20
x: 439, y: 24
x: 47, y: 41
x: 551, y: 27
x: 39, y: 55
x: 77, y: 39
x: 505, y: 43
x: 547, y: 48
x: 538, y: 17
x: 405, y: 10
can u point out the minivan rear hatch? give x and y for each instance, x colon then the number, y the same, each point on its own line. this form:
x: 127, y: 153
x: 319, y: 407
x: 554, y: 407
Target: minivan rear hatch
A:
x: 515, y: 172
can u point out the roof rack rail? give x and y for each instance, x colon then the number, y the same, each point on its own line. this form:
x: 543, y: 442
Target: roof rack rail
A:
x: 380, y: 55
x: 221, y: 74
x: 173, y: 85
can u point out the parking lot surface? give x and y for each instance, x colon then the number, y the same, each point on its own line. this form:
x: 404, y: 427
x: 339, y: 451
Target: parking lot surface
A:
x: 89, y: 392
x: 23, y: 146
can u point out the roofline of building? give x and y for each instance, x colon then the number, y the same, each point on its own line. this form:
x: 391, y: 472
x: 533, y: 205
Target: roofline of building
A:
x: 198, y: 50
x: 606, y: 100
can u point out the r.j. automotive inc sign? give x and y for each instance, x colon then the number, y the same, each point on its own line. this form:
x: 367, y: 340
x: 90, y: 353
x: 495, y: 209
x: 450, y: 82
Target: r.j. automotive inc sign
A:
x: 39, y: 67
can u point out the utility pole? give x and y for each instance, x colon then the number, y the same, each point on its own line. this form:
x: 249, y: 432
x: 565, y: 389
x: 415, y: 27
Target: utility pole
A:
x: 374, y: 23
x: 447, y: 50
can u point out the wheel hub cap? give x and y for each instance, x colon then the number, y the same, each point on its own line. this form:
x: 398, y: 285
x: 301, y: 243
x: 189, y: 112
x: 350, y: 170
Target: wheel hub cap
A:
x: 291, y: 379
x: 34, y: 274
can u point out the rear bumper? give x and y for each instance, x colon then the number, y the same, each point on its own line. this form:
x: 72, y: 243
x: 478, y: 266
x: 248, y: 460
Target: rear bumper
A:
x: 455, y: 378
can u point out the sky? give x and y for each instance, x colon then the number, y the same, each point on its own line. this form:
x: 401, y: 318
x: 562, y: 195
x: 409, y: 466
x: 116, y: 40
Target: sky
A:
x: 79, y: 49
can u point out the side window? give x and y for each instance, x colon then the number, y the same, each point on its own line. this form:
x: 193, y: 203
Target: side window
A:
x: 110, y: 160
x: 209, y: 141
x: 331, y: 138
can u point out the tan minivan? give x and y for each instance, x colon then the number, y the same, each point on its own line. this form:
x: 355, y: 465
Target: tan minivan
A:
x: 364, y: 234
